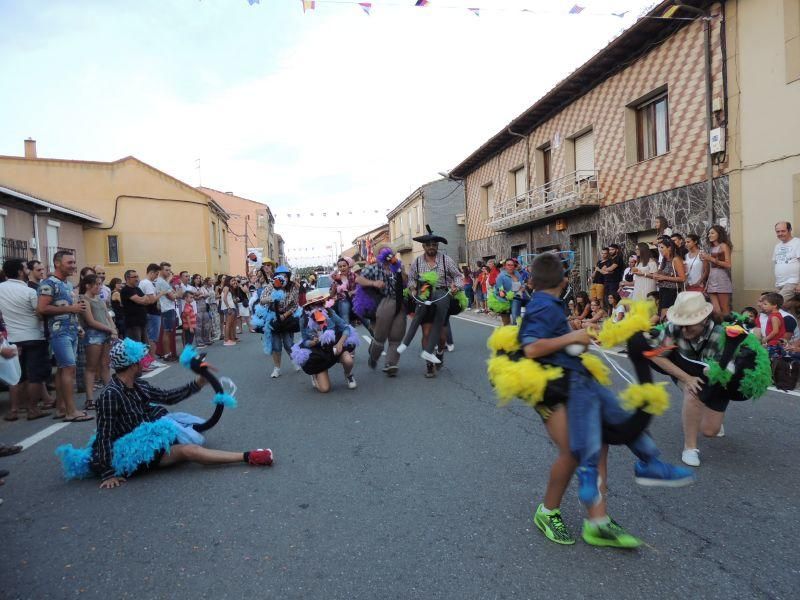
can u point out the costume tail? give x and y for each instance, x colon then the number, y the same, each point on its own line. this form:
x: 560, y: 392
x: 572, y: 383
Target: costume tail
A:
x: 195, y: 361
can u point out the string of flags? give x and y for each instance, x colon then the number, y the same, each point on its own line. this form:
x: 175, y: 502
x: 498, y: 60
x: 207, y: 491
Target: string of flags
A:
x: 366, y: 7
x: 332, y: 213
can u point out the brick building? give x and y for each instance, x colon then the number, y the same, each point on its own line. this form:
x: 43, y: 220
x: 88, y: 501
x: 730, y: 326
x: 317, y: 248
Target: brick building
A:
x: 620, y: 141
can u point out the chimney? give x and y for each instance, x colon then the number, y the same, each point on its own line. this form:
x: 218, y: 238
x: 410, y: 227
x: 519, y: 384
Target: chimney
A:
x: 30, y: 148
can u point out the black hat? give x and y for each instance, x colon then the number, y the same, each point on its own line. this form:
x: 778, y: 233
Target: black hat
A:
x: 429, y: 237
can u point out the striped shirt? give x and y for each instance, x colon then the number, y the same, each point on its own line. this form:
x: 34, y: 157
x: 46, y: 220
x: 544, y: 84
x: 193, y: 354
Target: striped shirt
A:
x: 445, y: 267
x: 121, y: 409
x: 706, y: 346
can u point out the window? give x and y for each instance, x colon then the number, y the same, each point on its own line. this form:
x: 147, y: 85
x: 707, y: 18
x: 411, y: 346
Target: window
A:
x: 3, y: 213
x: 652, y: 128
x: 419, y: 219
x: 584, y: 156
x: 113, y: 249
x: 487, y: 201
x: 213, y: 234
x: 520, y: 181
x: 224, y: 236
x: 52, y: 241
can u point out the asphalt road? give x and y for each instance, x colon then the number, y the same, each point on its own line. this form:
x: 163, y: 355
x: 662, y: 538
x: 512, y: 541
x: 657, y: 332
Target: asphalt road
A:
x: 403, y: 488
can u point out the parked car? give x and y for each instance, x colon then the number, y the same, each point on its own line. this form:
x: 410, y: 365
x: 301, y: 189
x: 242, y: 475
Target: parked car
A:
x: 324, y: 281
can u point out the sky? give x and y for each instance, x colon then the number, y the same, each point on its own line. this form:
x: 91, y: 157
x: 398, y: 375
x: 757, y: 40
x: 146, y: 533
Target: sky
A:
x: 323, y: 112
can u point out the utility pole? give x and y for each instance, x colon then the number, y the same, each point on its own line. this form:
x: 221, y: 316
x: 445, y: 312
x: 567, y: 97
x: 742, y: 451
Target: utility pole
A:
x: 246, y: 247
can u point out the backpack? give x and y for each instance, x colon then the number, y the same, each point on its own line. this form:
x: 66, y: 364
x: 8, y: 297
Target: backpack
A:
x: 785, y: 373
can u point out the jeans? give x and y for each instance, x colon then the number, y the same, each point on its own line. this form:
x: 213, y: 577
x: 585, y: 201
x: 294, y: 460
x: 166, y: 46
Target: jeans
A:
x: 589, y: 405
x: 96, y: 337
x: 343, y: 309
x: 516, y: 309
x: 285, y: 339
x: 64, y: 345
x: 153, y: 327
x: 470, y: 293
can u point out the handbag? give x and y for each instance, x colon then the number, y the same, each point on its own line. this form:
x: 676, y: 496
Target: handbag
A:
x: 290, y: 324
x: 10, y: 371
x: 785, y: 373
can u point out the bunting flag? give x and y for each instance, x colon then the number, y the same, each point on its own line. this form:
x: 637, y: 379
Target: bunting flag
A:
x: 475, y: 11
x: 366, y: 7
x: 251, y: 2
x: 370, y: 255
x: 309, y: 5
x: 576, y: 10
x: 620, y: 14
x: 422, y: 3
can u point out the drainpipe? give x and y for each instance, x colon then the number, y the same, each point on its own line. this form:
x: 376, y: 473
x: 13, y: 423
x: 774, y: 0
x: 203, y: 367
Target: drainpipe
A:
x: 705, y: 16
x: 38, y: 252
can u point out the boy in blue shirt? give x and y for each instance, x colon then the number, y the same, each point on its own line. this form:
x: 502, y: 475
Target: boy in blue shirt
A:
x: 573, y: 410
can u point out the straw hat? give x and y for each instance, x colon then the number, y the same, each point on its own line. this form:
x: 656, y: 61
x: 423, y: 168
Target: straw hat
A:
x: 690, y: 308
x: 315, y: 296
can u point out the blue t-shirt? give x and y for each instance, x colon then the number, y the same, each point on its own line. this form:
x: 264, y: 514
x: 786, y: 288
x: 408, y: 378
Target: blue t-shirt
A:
x: 545, y: 318
x: 61, y: 292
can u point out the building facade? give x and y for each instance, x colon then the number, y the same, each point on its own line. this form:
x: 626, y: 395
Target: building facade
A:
x: 145, y: 215
x: 251, y: 225
x: 439, y: 204
x: 368, y: 242
x: 32, y: 228
x: 763, y: 134
x: 619, y: 142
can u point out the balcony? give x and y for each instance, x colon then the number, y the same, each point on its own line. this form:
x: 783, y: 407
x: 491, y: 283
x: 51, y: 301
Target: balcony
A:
x: 573, y: 193
x: 402, y: 243
x: 14, y: 249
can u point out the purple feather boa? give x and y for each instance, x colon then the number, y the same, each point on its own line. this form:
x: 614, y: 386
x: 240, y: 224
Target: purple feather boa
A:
x: 300, y: 355
x: 384, y: 254
x: 353, y: 339
x: 328, y: 337
x: 363, y: 303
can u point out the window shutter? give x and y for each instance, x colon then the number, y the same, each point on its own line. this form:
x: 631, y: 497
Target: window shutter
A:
x: 584, y: 156
x: 520, y: 181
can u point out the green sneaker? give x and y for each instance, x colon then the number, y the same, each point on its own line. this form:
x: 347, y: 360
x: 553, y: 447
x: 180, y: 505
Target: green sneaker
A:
x: 610, y: 534
x: 552, y: 526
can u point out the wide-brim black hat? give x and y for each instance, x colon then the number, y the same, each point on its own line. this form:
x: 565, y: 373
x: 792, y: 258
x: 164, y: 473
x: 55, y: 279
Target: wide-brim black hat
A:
x: 429, y: 237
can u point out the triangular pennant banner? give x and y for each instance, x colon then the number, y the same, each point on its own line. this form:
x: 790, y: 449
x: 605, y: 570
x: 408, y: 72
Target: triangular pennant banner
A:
x: 365, y: 6
x: 576, y: 10
x: 475, y: 11
x: 309, y: 5
x: 421, y: 3
x: 251, y: 2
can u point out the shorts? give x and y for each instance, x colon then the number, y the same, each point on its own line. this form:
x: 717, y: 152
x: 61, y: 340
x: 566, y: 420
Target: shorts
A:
x: 153, y: 327
x: 65, y: 348
x: 555, y: 395
x: 666, y: 297
x: 169, y: 320
x: 95, y: 337
x: 34, y: 360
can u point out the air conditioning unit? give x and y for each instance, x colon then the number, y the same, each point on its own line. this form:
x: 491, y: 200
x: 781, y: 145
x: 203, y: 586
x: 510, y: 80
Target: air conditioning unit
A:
x: 461, y: 219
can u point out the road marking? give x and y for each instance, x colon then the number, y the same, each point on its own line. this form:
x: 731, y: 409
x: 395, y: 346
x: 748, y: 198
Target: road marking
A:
x: 149, y: 374
x: 38, y: 437
x: 492, y: 325
x: 367, y: 339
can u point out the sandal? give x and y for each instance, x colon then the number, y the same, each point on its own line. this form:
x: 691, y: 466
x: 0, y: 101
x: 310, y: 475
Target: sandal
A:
x: 79, y: 419
x: 90, y: 405
x: 58, y: 417
x: 38, y: 415
x: 48, y: 405
x: 9, y: 450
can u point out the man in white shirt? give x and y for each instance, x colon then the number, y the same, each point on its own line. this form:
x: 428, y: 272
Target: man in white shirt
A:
x: 147, y: 285
x: 18, y: 303
x: 169, y: 316
x: 786, y: 258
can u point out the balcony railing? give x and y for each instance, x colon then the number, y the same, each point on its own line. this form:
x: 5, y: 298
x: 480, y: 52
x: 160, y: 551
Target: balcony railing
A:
x: 572, y: 193
x: 14, y: 249
x: 402, y: 243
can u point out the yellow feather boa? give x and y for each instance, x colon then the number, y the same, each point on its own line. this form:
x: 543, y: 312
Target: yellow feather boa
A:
x: 638, y: 319
x: 597, y: 368
x: 504, y: 339
x: 525, y: 379
x: 653, y: 398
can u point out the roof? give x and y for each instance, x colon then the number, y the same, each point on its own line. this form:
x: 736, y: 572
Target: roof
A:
x: 212, y: 203
x: 633, y: 43
x: 221, y: 196
x: 51, y: 205
x: 372, y: 232
x: 411, y: 197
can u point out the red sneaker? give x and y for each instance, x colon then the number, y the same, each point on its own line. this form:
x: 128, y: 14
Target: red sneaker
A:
x: 262, y: 456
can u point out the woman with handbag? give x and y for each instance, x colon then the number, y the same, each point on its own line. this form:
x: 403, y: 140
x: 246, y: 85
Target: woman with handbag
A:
x: 280, y: 297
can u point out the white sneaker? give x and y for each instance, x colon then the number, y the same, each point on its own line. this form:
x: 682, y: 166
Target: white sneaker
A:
x: 158, y: 364
x: 401, y: 348
x: 276, y: 372
x: 430, y: 358
x: 314, y: 381
x: 721, y: 432
x: 297, y: 367
x: 351, y: 382
x: 451, y: 347
x: 691, y: 457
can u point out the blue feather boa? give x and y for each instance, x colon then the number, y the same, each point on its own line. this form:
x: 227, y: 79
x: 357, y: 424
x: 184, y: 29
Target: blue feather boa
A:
x: 225, y: 400
x: 300, y: 355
